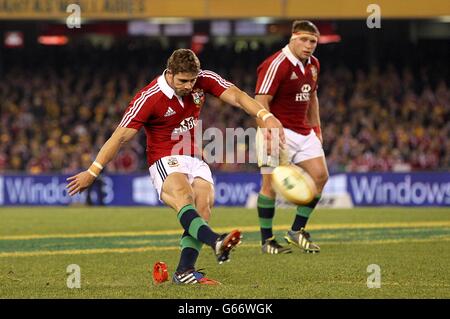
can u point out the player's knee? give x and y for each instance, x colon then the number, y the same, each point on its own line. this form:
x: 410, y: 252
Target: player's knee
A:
x: 183, y: 193
x: 178, y: 197
x: 204, y: 210
x: 321, y: 180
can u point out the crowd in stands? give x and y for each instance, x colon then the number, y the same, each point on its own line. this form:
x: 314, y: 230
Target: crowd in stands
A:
x: 59, y: 107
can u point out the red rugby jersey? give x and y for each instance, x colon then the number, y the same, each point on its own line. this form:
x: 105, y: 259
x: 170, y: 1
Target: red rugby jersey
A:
x: 291, y: 84
x: 169, y: 120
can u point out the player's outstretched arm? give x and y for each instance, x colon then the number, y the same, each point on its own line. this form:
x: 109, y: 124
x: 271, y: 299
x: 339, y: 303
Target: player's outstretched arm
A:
x: 265, y: 101
x: 238, y: 98
x: 81, y: 181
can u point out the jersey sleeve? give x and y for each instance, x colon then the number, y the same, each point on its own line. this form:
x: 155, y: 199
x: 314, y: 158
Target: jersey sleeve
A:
x: 212, y: 83
x: 139, y: 109
x: 270, y: 74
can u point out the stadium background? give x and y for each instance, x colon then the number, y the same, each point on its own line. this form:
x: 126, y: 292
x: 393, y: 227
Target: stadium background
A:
x: 384, y: 97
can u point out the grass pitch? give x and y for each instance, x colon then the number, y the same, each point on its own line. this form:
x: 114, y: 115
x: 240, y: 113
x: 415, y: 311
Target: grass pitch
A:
x: 117, y: 247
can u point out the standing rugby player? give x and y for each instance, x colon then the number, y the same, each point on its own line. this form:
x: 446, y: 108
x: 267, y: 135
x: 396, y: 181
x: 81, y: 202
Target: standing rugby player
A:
x: 287, y: 87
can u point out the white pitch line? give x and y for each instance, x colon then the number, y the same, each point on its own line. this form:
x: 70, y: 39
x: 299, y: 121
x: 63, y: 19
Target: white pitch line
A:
x: 168, y: 248
x: 423, y: 224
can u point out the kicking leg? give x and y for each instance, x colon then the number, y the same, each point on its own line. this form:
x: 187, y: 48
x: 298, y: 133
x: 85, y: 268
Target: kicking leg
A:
x: 179, y: 194
x: 190, y: 247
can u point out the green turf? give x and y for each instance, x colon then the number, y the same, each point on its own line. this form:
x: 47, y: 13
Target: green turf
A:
x: 117, y: 247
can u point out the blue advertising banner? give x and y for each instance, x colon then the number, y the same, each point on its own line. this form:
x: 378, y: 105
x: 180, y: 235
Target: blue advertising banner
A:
x: 231, y: 189
x: 114, y: 190
x: 234, y: 189
x: 400, y: 189
x: 42, y: 190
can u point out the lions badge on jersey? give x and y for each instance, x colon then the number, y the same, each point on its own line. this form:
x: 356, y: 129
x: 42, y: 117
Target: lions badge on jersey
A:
x: 198, y: 97
x: 172, y: 161
x: 314, y: 72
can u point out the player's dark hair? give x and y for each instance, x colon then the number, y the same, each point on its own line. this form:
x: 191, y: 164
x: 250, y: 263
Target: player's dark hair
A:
x: 304, y: 25
x: 183, y: 60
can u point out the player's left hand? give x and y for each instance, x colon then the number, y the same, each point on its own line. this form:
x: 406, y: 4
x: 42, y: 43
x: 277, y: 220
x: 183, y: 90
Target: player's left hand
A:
x: 80, y: 182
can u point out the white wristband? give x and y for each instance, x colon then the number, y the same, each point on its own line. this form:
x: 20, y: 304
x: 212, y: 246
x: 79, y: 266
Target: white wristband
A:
x: 97, y: 164
x: 265, y: 117
x: 262, y: 110
x: 92, y: 173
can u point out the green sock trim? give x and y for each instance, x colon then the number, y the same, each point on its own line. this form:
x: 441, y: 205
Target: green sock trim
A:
x: 306, y: 211
x: 190, y: 242
x: 195, y: 225
x: 265, y: 222
x: 265, y: 202
x: 185, y: 208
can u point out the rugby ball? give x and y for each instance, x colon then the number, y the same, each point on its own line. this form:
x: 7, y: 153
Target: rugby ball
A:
x: 294, y: 184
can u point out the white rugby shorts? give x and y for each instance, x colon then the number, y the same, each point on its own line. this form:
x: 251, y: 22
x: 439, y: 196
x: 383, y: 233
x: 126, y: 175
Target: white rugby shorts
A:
x: 300, y: 148
x: 191, y: 166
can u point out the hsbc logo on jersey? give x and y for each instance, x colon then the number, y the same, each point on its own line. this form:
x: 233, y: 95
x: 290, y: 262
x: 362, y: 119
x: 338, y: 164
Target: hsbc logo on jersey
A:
x: 305, y: 95
x: 185, y: 125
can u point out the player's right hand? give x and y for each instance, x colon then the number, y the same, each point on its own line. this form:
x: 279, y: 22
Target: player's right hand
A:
x: 268, y: 154
x: 79, y: 182
x: 275, y: 127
